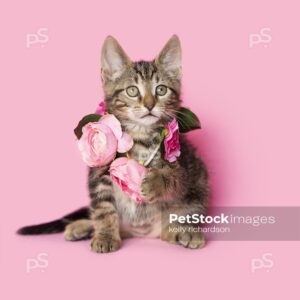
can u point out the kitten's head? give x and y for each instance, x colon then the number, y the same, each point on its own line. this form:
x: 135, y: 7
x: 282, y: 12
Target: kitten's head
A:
x: 145, y: 92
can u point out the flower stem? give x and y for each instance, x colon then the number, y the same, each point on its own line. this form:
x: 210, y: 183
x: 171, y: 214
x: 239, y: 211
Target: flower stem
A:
x: 162, y: 136
x: 152, y: 156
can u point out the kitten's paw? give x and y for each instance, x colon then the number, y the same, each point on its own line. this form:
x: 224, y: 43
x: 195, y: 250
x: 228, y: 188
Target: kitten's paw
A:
x: 186, y: 238
x: 78, y: 230
x: 105, y: 244
x: 191, y: 240
x: 153, y: 186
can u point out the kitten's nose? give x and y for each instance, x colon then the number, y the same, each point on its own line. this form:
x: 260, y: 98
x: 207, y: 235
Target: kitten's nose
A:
x: 149, y: 102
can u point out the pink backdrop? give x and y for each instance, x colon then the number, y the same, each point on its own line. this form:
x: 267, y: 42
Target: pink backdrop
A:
x: 243, y: 86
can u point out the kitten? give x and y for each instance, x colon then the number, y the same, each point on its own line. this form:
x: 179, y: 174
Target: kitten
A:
x: 144, y: 96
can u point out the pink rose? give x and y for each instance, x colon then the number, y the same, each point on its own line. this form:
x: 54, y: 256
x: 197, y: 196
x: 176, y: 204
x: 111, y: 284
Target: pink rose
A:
x: 98, y: 144
x: 129, y: 174
x: 100, y: 141
x: 125, y: 141
x: 171, y: 142
x: 101, y: 108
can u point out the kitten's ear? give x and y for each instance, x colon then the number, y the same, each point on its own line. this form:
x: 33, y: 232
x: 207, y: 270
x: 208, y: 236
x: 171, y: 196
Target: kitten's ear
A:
x: 170, y: 56
x: 113, y: 59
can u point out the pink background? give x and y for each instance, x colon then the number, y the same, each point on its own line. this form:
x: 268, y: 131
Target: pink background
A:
x: 248, y: 102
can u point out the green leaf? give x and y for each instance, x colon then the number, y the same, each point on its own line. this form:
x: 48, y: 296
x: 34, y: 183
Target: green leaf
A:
x: 187, y: 120
x: 85, y: 120
x: 120, y: 154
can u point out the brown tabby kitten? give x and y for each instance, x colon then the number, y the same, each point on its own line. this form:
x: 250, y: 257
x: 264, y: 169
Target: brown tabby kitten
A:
x: 144, y: 96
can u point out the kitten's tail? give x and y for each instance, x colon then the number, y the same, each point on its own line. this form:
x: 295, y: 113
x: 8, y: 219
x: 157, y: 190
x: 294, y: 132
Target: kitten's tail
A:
x: 56, y: 225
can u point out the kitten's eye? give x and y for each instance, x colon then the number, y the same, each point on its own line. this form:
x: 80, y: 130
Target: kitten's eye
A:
x: 161, y: 90
x: 132, y: 91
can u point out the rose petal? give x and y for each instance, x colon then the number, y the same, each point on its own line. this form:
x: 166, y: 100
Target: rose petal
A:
x: 113, y: 123
x: 129, y: 174
x: 171, y: 142
x: 125, y: 143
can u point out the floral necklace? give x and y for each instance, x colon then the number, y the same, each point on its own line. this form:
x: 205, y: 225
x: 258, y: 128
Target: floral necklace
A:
x: 102, y: 142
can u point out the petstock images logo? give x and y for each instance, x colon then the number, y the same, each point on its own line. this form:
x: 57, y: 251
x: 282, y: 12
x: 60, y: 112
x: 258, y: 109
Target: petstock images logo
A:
x: 240, y: 223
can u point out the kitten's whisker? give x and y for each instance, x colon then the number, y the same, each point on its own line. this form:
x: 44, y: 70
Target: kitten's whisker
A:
x: 178, y: 117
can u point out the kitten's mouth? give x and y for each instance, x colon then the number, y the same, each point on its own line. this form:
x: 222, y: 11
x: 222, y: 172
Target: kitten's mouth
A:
x: 149, y: 119
x: 149, y: 115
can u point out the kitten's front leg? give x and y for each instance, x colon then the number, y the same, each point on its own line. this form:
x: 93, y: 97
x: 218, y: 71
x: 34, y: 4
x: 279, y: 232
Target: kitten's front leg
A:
x: 163, y: 184
x: 106, y: 228
x: 104, y: 215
